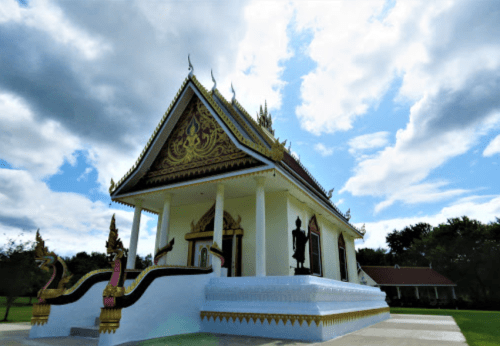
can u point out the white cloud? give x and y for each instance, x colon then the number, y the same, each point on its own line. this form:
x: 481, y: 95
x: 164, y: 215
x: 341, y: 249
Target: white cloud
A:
x: 45, y: 16
x: 84, y: 175
x: 41, y: 146
x: 482, y: 208
x: 68, y: 222
x: 448, y: 58
x: 368, y: 141
x: 323, y: 150
x: 493, y: 148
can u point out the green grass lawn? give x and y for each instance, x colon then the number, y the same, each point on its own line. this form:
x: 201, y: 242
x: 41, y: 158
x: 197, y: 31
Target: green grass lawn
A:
x: 480, y: 328
x: 20, y: 311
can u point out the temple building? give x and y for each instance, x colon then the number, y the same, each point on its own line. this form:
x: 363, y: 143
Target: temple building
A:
x: 213, y: 174
x: 248, y: 242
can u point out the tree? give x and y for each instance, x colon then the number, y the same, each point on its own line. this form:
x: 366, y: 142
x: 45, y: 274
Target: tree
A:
x: 371, y: 257
x: 467, y: 252
x: 83, y: 263
x: 18, y: 270
x: 401, y: 245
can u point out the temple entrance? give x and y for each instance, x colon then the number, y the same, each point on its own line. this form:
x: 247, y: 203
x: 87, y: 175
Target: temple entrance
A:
x: 201, y: 238
x: 203, y: 257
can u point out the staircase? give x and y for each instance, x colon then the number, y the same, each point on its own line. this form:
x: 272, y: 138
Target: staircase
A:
x: 91, y: 332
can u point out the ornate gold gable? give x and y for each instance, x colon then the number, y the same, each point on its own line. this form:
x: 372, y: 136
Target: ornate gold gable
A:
x: 228, y: 222
x: 196, y: 145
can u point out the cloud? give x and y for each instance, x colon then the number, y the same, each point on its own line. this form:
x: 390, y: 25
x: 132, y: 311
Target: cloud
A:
x: 68, y: 222
x: 492, y: 148
x: 448, y: 60
x: 108, y: 82
x: 368, y: 141
x: 323, y: 150
x: 38, y: 145
x: 482, y: 208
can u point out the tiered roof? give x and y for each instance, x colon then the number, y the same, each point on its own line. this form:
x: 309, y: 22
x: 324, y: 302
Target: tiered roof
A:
x: 248, y: 132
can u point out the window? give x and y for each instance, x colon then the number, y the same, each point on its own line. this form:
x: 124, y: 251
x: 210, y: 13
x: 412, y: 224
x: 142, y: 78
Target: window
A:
x: 342, y: 259
x: 315, y: 247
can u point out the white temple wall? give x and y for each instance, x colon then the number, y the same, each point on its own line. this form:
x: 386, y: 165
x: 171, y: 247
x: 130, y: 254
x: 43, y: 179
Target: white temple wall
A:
x: 180, y: 224
x: 329, y: 248
x: 277, y: 234
x: 352, y: 267
x: 296, y: 208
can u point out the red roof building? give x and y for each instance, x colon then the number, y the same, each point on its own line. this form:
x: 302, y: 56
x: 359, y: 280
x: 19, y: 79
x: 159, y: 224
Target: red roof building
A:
x: 399, y: 277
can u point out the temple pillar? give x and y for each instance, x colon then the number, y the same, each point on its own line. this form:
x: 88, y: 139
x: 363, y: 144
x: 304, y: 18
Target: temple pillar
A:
x: 436, y: 290
x: 165, y: 226
x: 134, y: 236
x: 260, y: 228
x: 218, y: 224
x: 158, y: 232
x: 416, y: 292
x: 399, y: 292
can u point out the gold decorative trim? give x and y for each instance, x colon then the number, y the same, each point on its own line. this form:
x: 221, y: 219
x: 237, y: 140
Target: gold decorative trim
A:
x: 85, y: 277
x: 210, y: 234
x: 327, y: 320
x: 195, y: 184
x: 40, y: 314
x: 137, y: 280
x: 205, y: 169
x: 109, y: 320
x: 51, y: 293
x: 253, y: 121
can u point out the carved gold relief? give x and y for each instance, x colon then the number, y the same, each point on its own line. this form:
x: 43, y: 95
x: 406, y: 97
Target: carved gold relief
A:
x: 109, y: 320
x: 41, y: 314
x: 327, y: 320
x: 197, y: 142
x: 228, y: 221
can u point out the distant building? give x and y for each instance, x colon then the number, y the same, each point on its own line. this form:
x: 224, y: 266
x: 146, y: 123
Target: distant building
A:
x: 409, y: 283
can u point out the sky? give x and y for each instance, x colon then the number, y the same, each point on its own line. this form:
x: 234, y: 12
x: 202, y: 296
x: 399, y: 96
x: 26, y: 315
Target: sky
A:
x: 395, y: 104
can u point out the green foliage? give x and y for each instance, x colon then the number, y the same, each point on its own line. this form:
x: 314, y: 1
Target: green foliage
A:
x: 401, y: 245
x: 378, y: 257
x: 18, y: 271
x: 83, y: 263
x: 480, y: 328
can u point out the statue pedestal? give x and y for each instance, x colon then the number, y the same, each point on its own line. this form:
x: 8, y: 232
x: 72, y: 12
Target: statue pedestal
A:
x: 302, y: 271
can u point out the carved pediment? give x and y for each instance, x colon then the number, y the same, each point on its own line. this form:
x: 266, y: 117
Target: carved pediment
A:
x: 196, y: 145
x: 208, y: 218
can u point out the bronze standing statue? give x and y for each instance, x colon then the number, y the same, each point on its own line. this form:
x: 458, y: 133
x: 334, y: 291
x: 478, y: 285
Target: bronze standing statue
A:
x: 300, y: 240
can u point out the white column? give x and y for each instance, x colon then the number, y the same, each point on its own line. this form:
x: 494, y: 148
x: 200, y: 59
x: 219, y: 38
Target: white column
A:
x: 218, y: 224
x: 416, y: 292
x: 399, y: 292
x: 260, y: 228
x: 134, y: 236
x: 436, y: 290
x: 165, y: 226
x: 158, y: 232
x: 453, y: 292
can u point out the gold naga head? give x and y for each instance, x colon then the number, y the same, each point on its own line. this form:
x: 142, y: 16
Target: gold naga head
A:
x: 42, y: 255
x: 114, y: 244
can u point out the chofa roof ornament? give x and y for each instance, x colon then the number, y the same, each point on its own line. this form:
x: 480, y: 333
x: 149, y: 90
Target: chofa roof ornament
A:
x: 213, y: 80
x: 234, y: 93
x: 190, y: 68
x: 330, y: 193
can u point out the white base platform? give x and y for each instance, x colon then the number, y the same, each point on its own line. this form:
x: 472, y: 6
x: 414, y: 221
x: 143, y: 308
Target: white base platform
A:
x: 274, y: 306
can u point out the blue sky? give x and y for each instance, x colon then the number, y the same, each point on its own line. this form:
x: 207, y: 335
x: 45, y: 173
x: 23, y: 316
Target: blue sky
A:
x: 394, y: 104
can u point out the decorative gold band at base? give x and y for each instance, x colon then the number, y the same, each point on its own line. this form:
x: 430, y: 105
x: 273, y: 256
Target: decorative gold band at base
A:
x: 326, y: 319
x: 110, y: 320
x: 41, y: 314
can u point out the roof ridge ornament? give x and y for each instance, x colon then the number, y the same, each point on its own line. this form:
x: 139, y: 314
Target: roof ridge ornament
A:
x: 213, y: 80
x: 330, y: 193
x: 265, y: 119
x: 234, y: 93
x: 348, y: 214
x: 190, y: 68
